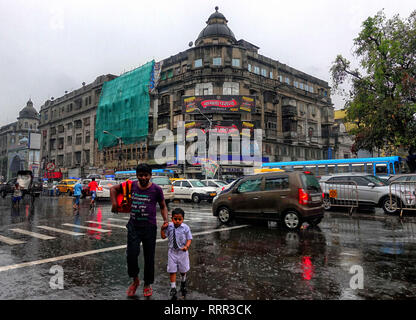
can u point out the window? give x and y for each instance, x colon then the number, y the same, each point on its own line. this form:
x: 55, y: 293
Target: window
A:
x: 249, y: 67
x: 198, y: 63
x: 87, y: 139
x: 311, y: 89
x: 277, y: 183
x: 271, y: 74
x: 256, y: 70
x: 78, y: 139
x: 26, y: 125
x: 230, y: 88
x: 177, y: 183
x: 287, y: 80
x: 280, y: 78
x: 306, y: 87
x: 301, y: 85
x: 236, y: 62
x: 296, y: 84
x: 325, y: 93
x: 186, y: 184
x: 69, y: 140
x: 170, y: 73
x: 163, y: 76
x: 203, y: 89
x: 264, y: 72
x: 250, y: 186
x: 178, y: 70
x: 69, y: 125
x: 216, y: 61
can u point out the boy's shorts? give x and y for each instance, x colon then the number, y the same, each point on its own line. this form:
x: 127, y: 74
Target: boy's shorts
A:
x: 15, y: 199
x: 93, y: 195
x: 77, y: 200
x: 178, y: 260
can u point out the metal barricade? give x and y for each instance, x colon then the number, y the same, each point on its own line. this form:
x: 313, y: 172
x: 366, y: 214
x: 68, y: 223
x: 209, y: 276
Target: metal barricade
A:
x: 402, y: 196
x: 342, y: 194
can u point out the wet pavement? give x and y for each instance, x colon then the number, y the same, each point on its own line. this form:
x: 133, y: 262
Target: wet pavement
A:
x: 239, y: 261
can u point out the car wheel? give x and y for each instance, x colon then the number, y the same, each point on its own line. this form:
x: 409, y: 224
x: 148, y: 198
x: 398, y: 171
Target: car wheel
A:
x: 291, y: 220
x: 326, y: 202
x: 392, y: 208
x: 196, y: 198
x: 224, y: 215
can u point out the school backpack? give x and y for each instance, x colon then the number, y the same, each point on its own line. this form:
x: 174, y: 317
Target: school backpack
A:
x: 124, y: 198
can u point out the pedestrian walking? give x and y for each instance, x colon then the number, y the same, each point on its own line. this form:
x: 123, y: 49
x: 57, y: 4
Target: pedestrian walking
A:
x: 142, y: 226
x: 77, y: 193
x: 17, y: 195
x: 92, y: 186
x: 180, y: 238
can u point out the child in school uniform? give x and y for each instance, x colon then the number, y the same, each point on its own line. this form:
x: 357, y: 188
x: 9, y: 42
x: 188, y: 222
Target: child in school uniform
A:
x: 180, y: 238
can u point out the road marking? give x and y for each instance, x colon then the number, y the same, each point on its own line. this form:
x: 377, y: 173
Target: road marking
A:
x: 61, y: 231
x: 10, y: 240
x: 115, y: 219
x: 33, y: 234
x: 108, y: 224
x: 88, y: 228
x: 86, y: 253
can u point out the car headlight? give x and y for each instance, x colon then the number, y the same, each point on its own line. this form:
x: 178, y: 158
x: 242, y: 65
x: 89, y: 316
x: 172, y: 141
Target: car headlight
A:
x: 215, y: 198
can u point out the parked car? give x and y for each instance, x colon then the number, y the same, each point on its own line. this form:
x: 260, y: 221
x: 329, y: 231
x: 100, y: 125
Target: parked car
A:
x: 371, y: 191
x: 217, y: 184
x: 409, y: 177
x: 166, y: 185
x: 66, y: 186
x: 193, y: 189
x: 27, y: 183
x: 103, y: 189
x: 287, y: 197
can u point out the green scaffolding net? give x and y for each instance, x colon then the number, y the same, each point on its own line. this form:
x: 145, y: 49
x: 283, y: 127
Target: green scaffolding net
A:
x: 123, y: 110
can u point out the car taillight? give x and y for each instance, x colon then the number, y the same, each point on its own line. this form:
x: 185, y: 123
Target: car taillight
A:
x: 323, y: 195
x: 303, y: 196
x: 171, y: 190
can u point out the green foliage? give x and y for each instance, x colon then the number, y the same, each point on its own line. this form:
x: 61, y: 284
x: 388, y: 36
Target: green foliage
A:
x: 382, y: 99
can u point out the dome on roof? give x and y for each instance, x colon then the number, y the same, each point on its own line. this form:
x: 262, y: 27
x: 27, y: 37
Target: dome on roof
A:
x: 29, y: 112
x: 216, y: 27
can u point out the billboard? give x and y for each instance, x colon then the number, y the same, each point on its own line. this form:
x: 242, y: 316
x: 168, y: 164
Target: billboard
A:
x: 34, y: 141
x: 220, y: 127
x: 218, y: 104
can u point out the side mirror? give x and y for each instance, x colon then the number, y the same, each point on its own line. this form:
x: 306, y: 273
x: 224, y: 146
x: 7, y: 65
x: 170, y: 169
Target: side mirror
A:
x: 371, y: 185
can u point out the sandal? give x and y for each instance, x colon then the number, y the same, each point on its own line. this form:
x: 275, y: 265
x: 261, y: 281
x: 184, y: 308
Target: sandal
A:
x: 147, y: 292
x: 131, y: 291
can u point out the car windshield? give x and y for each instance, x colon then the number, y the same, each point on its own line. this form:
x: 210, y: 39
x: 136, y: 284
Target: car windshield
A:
x: 108, y: 183
x: 310, y: 182
x: 161, y: 181
x: 376, y: 180
x: 221, y: 183
x: 197, y: 184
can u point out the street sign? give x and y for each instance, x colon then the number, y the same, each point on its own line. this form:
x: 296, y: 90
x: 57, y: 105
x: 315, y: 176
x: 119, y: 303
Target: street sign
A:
x: 50, y: 166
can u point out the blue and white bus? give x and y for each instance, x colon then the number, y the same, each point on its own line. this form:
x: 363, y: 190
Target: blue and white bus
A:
x: 382, y: 167
x: 123, y: 175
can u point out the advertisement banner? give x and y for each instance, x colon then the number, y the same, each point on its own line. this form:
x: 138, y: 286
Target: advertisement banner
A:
x: 220, y: 127
x: 218, y: 104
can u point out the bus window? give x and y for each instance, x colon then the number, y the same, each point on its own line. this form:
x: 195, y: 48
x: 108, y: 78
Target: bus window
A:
x: 358, y: 168
x: 298, y: 168
x: 396, y: 168
x: 343, y: 168
x: 370, y: 168
x: 391, y: 168
x: 331, y: 169
x: 321, y: 171
x: 381, y: 169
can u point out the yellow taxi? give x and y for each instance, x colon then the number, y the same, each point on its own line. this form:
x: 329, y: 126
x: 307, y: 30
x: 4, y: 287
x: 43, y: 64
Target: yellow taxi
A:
x: 66, y: 186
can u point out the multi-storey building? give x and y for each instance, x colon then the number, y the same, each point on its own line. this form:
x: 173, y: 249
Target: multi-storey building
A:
x: 16, y: 150
x: 67, y: 127
x: 293, y: 108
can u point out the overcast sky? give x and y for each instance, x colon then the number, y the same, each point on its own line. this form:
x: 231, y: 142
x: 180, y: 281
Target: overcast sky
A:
x: 48, y: 47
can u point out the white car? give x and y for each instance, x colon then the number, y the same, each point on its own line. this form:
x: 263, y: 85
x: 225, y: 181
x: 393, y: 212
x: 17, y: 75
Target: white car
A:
x: 217, y: 184
x: 103, y: 190
x: 193, y: 189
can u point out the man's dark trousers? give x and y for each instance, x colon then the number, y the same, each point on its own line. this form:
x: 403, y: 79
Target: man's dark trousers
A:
x: 147, y: 236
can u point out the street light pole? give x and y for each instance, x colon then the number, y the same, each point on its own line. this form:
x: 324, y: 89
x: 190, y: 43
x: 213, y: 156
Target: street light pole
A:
x: 210, y: 127
x: 119, y: 145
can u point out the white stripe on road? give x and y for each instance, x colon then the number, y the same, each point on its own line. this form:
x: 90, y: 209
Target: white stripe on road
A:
x: 108, y: 224
x: 115, y: 219
x: 10, y: 240
x: 86, y: 253
x: 61, y: 231
x: 33, y: 234
x: 88, y: 228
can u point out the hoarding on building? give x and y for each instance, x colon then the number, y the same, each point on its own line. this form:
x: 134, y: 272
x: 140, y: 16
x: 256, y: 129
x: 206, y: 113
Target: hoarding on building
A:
x: 218, y: 104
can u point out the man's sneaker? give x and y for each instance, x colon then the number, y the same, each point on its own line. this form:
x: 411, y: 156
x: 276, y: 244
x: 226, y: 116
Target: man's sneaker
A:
x: 172, y: 294
x: 183, y: 288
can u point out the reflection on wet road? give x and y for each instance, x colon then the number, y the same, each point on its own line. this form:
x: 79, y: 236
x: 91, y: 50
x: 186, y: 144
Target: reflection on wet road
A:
x: 238, y: 261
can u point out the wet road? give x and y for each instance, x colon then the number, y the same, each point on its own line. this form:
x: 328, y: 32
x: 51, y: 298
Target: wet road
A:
x: 366, y: 256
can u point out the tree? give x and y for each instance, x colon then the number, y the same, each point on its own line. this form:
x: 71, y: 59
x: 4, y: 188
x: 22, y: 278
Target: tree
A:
x: 382, y: 98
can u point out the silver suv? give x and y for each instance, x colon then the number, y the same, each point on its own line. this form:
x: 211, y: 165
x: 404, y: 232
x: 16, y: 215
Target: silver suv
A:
x: 371, y: 191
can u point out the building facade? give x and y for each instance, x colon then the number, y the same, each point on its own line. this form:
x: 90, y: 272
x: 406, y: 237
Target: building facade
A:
x: 67, y: 127
x: 19, y: 144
